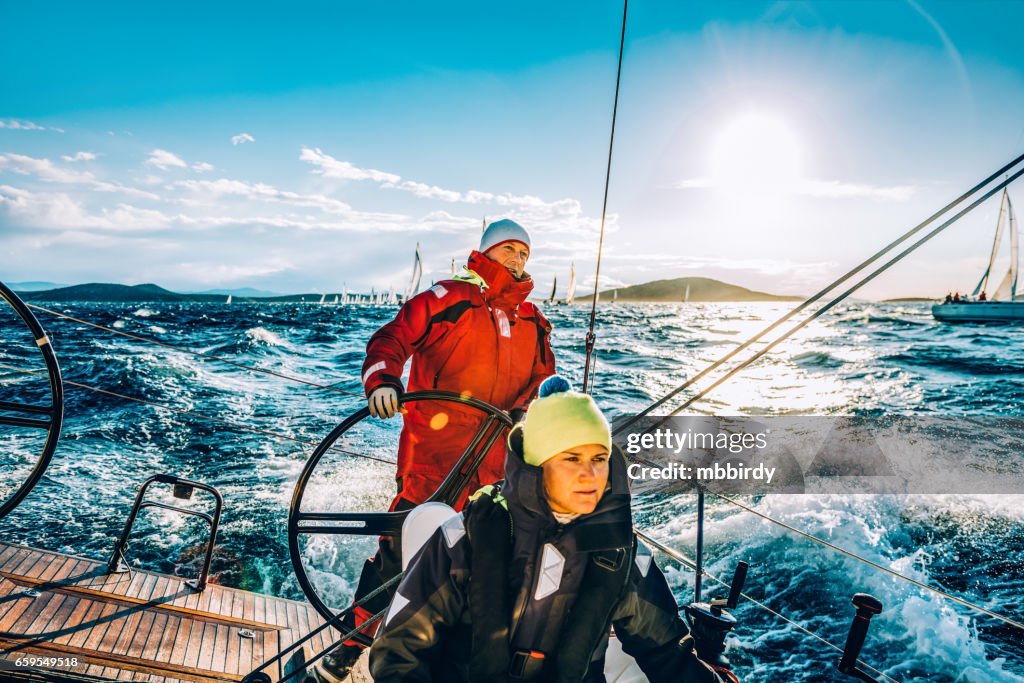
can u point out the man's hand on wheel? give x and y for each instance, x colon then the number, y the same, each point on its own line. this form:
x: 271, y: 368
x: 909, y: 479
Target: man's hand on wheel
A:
x: 383, y: 402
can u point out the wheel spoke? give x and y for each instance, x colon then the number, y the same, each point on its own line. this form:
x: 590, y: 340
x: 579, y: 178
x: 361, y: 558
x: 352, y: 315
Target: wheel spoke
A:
x: 383, y: 523
x: 24, y: 422
x: 25, y: 408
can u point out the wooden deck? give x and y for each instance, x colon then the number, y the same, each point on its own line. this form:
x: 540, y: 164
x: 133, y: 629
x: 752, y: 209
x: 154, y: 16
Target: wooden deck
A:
x: 143, y: 626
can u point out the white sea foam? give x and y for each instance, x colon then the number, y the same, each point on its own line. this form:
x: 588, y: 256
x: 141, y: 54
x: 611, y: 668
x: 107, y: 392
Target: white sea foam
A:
x: 265, y: 336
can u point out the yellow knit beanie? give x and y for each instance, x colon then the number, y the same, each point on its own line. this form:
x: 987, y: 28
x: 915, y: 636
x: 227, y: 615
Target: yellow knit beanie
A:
x: 561, y: 419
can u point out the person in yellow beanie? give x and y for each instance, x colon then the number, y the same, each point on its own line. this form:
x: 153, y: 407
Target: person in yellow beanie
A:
x: 526, y: 584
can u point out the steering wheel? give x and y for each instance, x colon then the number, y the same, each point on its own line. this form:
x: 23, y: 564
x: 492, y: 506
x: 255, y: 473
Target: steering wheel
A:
x: 31, y: 415
x: 384, y: 523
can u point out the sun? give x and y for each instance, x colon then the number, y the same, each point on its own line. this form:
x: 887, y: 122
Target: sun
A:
x: 757, y: 153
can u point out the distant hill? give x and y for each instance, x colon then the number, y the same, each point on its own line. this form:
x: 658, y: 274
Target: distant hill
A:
x: 96, y: 291
x: 33, y: 286
x: 702, y: 289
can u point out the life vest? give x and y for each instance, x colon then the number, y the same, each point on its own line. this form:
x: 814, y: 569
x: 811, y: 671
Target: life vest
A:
x: 493, y: 657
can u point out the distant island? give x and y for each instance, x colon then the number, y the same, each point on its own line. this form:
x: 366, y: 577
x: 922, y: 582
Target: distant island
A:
x: 150, y: 293
x: 701, y: 289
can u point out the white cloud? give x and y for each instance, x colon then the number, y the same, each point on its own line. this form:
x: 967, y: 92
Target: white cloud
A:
x: 827, y: 189
x: 216, y: 272
x: 163, y: 159
x: 80, y: 156
x: 242, y: 138
x: 14, y: 124
x: 44, y: 169
x: 262, y: 191
x: 565, y: 212
x: 835, y: 189
x: 329, y: 167
x: 202, y: 167
x: 60, y: 211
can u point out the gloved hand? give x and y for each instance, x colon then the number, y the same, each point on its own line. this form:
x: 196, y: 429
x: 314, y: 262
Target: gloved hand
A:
x: 383, y: 402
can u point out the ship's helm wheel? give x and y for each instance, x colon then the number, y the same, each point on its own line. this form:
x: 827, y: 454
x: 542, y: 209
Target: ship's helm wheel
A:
x: 494, y: 426
x: 26, y: 415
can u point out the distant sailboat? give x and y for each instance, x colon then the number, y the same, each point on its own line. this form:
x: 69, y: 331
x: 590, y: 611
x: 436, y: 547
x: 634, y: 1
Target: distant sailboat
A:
x: 323, y: 297
x: 686, y: 295
x: 1002, y: 305
x: 392, y: 297
x: 554, y: 288
x: 344, y: 296
x: 417, y: 275
x: 615, y: 296
x: 229, y: 299
x: 335, y: 302
x: 570, y: 294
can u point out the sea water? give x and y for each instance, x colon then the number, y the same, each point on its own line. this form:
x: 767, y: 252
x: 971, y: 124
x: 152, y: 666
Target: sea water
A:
x: 861, y: 359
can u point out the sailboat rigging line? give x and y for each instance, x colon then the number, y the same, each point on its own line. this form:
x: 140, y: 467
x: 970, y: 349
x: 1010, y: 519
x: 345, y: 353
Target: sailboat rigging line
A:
x: 201, y: 354
x: 688, y: 563
x: 191, y: 413
x: 334, y: 621
x: 819, y: 295
x: 854, y: 556
x: 604, y: 209
x: 863, y: 281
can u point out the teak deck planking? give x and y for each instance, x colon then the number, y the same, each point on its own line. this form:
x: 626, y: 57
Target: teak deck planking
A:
x: 143, y: 626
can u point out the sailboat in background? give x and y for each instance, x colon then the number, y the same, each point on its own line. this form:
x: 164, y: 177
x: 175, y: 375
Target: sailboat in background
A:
x: 323, y: 298
x: 417, y: 275
x: 570, y: 293
x: 229, y: 299
x: 1002, y: 305
x: 686, y: 295
x: 554, y: 288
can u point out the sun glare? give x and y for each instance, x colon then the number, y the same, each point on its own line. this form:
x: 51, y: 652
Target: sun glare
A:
x: 756, y: 153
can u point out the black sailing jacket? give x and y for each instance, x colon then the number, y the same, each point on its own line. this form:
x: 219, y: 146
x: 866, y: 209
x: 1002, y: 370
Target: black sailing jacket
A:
x: 503, y: 589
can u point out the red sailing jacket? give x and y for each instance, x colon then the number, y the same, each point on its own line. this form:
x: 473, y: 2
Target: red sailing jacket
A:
x: 467, y: 337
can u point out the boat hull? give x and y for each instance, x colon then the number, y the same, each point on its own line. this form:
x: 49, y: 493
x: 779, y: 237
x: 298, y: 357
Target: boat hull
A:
x: 980, y: 312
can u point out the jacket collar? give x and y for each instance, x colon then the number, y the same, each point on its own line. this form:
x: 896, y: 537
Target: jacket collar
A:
x: 501, y: 288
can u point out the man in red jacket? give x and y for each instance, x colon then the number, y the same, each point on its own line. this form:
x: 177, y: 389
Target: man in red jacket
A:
x: 474, y: 335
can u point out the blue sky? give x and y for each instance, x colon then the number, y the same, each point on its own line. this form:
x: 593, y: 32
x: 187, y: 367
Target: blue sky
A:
x: 299, y: 149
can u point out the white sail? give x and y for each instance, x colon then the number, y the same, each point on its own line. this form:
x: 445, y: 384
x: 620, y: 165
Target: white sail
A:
x: 392, y: 297
x: 1000, y: 224
x: 344, y: 295
x: 336, y: 301
x: 229, y: 299
x: 1008, y: 287
x: 570, y: 294
x: 417, y: 275
x: 615, y: 295
x: 323, y: 297
x: 686, y: 296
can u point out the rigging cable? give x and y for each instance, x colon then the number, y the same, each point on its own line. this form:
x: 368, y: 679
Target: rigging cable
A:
x: 201, y: 354
x: 867, y: 278
x: 587, y: 380
x: 191, y: 413
x: 887, y: 570
x: 691, y: 565
x: 821, y: 294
